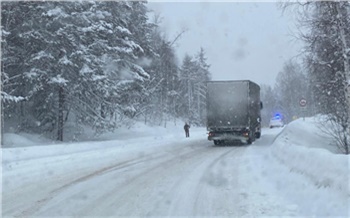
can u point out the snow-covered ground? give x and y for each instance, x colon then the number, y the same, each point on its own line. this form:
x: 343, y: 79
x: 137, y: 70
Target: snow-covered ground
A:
x: 303, y: 167
x: 158, y: 172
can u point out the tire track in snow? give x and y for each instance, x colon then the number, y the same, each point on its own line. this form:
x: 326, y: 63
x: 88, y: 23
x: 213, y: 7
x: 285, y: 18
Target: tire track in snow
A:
x: 188, y: 189
x: 40, y: 203
x: 153, y: 173
x: 122, y: 195
x: 215, y: 179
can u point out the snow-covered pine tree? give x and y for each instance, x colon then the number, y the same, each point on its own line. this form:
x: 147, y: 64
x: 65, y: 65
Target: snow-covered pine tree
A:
x: 112, y: 68
x: 19, y: 20
x: 186, y: 103
x: 162, y: 88
x: 194, y: 74
x: 203, y: 75
x: 74, y: 55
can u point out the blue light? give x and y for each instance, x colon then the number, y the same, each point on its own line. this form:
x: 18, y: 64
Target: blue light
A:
x: 277, y: 116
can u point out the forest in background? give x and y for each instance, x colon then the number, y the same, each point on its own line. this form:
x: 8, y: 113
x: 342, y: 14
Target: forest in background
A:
x: 68, y: 65
x: 320, y: 74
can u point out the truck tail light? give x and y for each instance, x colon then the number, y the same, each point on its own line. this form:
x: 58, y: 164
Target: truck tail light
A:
x: 211, y: 134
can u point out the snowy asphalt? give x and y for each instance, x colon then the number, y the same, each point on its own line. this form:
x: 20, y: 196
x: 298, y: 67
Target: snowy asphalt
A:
x: 159, y: 177
x: 193, y: 178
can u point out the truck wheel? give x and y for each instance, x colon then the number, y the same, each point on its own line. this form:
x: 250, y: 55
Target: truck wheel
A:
x: 216, y: 142
x: 249, y: 141
x: 257, y: 135
x: 251, y: 138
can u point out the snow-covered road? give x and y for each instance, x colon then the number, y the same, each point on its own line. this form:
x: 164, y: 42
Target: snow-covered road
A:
x: 150, y: 177
x: 184, y: 178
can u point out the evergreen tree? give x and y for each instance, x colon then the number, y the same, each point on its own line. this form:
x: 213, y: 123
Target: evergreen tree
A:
x: 163, y: 86
x: 193, y: 76
x: 203, y: 75
x: 78, y: 56
x: 100, y: 64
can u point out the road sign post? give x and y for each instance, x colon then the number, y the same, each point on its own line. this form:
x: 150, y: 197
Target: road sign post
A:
x: 302, y: 104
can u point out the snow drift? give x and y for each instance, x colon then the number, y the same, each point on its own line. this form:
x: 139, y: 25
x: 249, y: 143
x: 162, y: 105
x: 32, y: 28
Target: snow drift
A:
x: 306, y: 151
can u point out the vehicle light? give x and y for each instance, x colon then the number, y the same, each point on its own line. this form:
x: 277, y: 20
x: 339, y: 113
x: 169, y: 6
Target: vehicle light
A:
x: 246, y: 134
x: 211, y: 134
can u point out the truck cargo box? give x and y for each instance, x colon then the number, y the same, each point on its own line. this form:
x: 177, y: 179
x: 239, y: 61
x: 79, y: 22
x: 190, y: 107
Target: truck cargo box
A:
x: 233, y: 107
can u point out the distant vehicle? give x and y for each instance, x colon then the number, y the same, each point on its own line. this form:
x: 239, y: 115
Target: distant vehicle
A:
x: 276, y: 121
x: 233, y: 111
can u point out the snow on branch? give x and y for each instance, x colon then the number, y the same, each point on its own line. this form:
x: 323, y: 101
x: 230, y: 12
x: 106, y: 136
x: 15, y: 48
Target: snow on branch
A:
x: 41, y: 55
x: 64, y: 60
x: 55, y: 12
x: 140, y: 71
x: 59, y: 80
x: 123, y: 30
x: 4, y: 33
x: 98, y: 77
x: 10, y: 98
x: 85, y: 70
x: 33, y: 73
x: 133, y: 45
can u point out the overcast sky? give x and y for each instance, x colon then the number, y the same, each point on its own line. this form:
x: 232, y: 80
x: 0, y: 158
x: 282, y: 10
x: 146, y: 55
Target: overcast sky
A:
x: 242, y: 40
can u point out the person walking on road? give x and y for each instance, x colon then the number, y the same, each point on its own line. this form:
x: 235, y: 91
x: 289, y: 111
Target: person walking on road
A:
x: 187, y: 130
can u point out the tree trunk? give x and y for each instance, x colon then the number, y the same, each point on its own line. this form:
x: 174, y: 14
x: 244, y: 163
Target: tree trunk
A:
x: 2, y: 122
x: 103, y: 110
x: 198, y: 103
x: 189, y: 99
x: 346, y: 145
x: 341, y: 27
x: 60, y: 113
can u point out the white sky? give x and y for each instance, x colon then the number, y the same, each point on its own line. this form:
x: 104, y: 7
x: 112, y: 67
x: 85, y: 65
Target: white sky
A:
x: 243, y: 40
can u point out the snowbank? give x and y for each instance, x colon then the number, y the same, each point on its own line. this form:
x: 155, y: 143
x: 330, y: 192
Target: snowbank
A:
x: 23, y: 140
x: 303, y: 168
x: 306, y: 151
x: 24, y: 146
x: 310, y: 133
x: 138, y: 130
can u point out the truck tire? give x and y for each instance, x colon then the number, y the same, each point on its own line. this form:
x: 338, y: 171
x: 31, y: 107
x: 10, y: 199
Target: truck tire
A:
x: 251, y: 138
x: 249, y: 141
x: 216, y: 142
x: 257, y: 135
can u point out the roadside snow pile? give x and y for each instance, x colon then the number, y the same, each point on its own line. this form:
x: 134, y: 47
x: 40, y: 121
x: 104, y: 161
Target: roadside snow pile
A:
x: 138, y: 130
x: 311, y: 133
x: 24, y: 139
x: 304, y: 150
